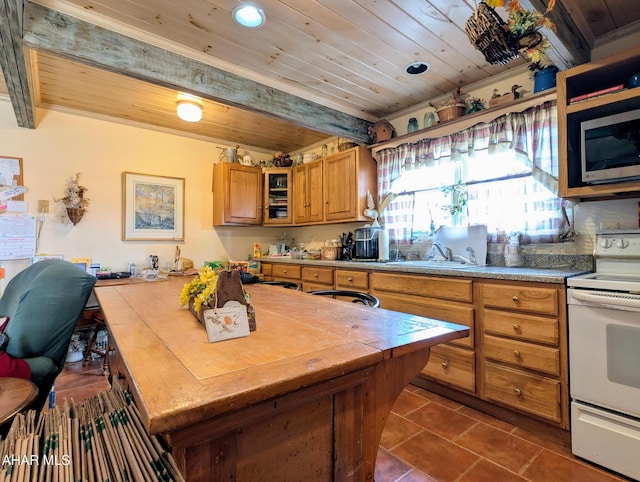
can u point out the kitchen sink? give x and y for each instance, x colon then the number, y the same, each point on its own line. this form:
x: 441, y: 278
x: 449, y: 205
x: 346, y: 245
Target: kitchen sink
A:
x: 433, y: 264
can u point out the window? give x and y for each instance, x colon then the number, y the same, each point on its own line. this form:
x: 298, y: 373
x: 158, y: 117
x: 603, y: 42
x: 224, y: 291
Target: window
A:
x: 502, y: 174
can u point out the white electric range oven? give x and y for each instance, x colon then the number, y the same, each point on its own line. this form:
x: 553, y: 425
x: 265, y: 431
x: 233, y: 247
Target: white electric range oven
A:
x: 604, y: 355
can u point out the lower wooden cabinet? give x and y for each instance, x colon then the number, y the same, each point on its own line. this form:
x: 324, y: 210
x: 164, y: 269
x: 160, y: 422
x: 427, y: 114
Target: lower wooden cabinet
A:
x: 525, y: 391
x: 515, y: 357
x: 352, y: 280
x: 524, y: 348
x: 452, y: 366
x: 314, y: 278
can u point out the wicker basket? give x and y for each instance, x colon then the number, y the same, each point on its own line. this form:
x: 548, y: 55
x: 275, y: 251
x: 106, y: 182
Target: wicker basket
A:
x: 75, y: 215
x: 487, y: 32
x: 451, y: 112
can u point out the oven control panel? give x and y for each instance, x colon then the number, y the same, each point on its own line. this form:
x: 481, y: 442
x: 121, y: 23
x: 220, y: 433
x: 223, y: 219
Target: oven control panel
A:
x: 618, y: 244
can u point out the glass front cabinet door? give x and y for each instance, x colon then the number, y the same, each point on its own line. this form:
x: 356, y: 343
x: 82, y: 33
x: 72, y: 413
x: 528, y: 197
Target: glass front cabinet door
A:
x: 277, y: 196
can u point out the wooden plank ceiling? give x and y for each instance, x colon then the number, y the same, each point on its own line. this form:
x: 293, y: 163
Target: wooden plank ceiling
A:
x: 349, y: 56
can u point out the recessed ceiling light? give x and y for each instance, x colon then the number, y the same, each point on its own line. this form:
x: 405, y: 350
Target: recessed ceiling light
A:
x: 249, y: 16
x: 415, y: 68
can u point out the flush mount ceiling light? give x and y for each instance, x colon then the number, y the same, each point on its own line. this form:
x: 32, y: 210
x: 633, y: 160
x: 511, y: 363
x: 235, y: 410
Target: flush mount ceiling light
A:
x: 249, y: 16
x: 415, y: 68
x: 190, y: 109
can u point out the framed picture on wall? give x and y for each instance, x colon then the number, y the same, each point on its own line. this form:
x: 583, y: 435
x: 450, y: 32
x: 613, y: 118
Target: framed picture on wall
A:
x: 152, y: 207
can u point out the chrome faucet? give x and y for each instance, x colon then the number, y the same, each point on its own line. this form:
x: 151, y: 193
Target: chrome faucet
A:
x: 446, y: 253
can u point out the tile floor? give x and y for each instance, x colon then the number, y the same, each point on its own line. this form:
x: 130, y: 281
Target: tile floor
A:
x: 428, y: 438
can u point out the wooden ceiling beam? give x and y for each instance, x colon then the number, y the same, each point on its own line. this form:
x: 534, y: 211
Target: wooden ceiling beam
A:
x: 568, y: 46
x: 71, y: 38
x: 15, y: 66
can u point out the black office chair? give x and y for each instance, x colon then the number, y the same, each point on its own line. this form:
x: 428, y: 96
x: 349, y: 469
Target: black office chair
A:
x: 356, y: 296
x: 285, y: 284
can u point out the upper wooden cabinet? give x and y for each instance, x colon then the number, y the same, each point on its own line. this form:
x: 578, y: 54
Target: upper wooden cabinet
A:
x: 347, y: 177
x: 237, y: 194
x: 307, y: 193
x: 278, y: 196
x: 334, y: 189
x: 584, y: 79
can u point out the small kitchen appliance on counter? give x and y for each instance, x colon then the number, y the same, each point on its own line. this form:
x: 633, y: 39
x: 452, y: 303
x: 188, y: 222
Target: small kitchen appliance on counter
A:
x: 604, y: 359
x: 366, y: 243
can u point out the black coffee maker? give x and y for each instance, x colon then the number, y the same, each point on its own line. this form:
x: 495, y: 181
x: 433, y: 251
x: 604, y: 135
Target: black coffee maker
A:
x: 366, y: 243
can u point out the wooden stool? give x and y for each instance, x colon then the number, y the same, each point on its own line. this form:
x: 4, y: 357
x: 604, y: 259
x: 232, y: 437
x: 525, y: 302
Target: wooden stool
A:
x: 15, y: 395
x: 98, y: 322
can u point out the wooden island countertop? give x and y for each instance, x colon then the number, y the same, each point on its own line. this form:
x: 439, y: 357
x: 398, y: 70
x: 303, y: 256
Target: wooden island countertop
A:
x: 304, y: 397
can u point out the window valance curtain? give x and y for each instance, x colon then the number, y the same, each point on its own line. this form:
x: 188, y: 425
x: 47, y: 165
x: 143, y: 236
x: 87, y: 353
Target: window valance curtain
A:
x: 531, y: 134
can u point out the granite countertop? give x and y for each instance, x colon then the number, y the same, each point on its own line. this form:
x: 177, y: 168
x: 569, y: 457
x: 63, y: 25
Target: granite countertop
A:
x: 560, y: 268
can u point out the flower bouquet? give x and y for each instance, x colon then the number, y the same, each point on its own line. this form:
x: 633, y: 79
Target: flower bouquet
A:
x: 201, y: 293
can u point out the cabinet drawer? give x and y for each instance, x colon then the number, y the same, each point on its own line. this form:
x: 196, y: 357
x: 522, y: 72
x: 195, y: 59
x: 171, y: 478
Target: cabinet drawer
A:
x: 431, y: 308
x: 311, y: 286
x: 318, y: 275
x: 286, y: 271
x: 452, y: 366
x: 524, y: 391
x: 520, y: 326
x: 266, y: 269
x: 521, y: 298
x: 521, y: 354
x: 352, y: 280
x: 432, y: 287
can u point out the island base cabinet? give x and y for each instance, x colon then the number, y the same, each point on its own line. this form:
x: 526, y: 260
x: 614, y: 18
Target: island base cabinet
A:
x: 291, y: 438
x: 452, y: 366
x: 524, y: 391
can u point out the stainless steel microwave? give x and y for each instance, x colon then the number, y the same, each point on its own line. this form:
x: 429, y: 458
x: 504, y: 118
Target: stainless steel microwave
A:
x: 610, y: 148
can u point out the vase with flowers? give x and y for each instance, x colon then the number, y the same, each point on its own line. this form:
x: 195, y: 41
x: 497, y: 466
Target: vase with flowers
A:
x: 201, y: 293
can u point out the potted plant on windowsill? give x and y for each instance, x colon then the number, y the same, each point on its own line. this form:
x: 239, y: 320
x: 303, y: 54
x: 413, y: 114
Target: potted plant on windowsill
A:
x: 74, y: 200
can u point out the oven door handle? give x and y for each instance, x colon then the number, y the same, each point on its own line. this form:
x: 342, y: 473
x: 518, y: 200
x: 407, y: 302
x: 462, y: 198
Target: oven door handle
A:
x: 610, y: 300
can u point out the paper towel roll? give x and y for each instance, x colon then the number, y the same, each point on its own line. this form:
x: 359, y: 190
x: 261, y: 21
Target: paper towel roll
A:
x: 383, y: 245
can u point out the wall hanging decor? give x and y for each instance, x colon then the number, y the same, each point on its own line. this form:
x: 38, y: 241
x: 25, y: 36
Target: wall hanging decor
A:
x: 74, y: 200
x: 153, y: 207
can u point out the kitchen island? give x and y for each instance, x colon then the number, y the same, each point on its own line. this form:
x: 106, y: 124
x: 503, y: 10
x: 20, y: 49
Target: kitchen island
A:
x: 304, y: 397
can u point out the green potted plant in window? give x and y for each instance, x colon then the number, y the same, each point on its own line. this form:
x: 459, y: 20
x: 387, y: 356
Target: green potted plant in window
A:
x: 459, y: 197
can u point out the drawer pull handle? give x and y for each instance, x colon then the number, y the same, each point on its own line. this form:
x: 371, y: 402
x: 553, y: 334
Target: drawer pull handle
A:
x: 517, y: 391
x: 284, y: 271
x: 349, y: 278
x: 516, y: 327
x: 515, y: 299
x: 315, y: 275
x: 444, y: 364
x: 516, y: 353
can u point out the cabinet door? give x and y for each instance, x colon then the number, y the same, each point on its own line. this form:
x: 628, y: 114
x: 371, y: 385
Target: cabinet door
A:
x: 315, y: 192
x: 237, y: 194
x: 278, y: 196
x: 340, y: 184
x: 300, y: 181
x: 307, y: 193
